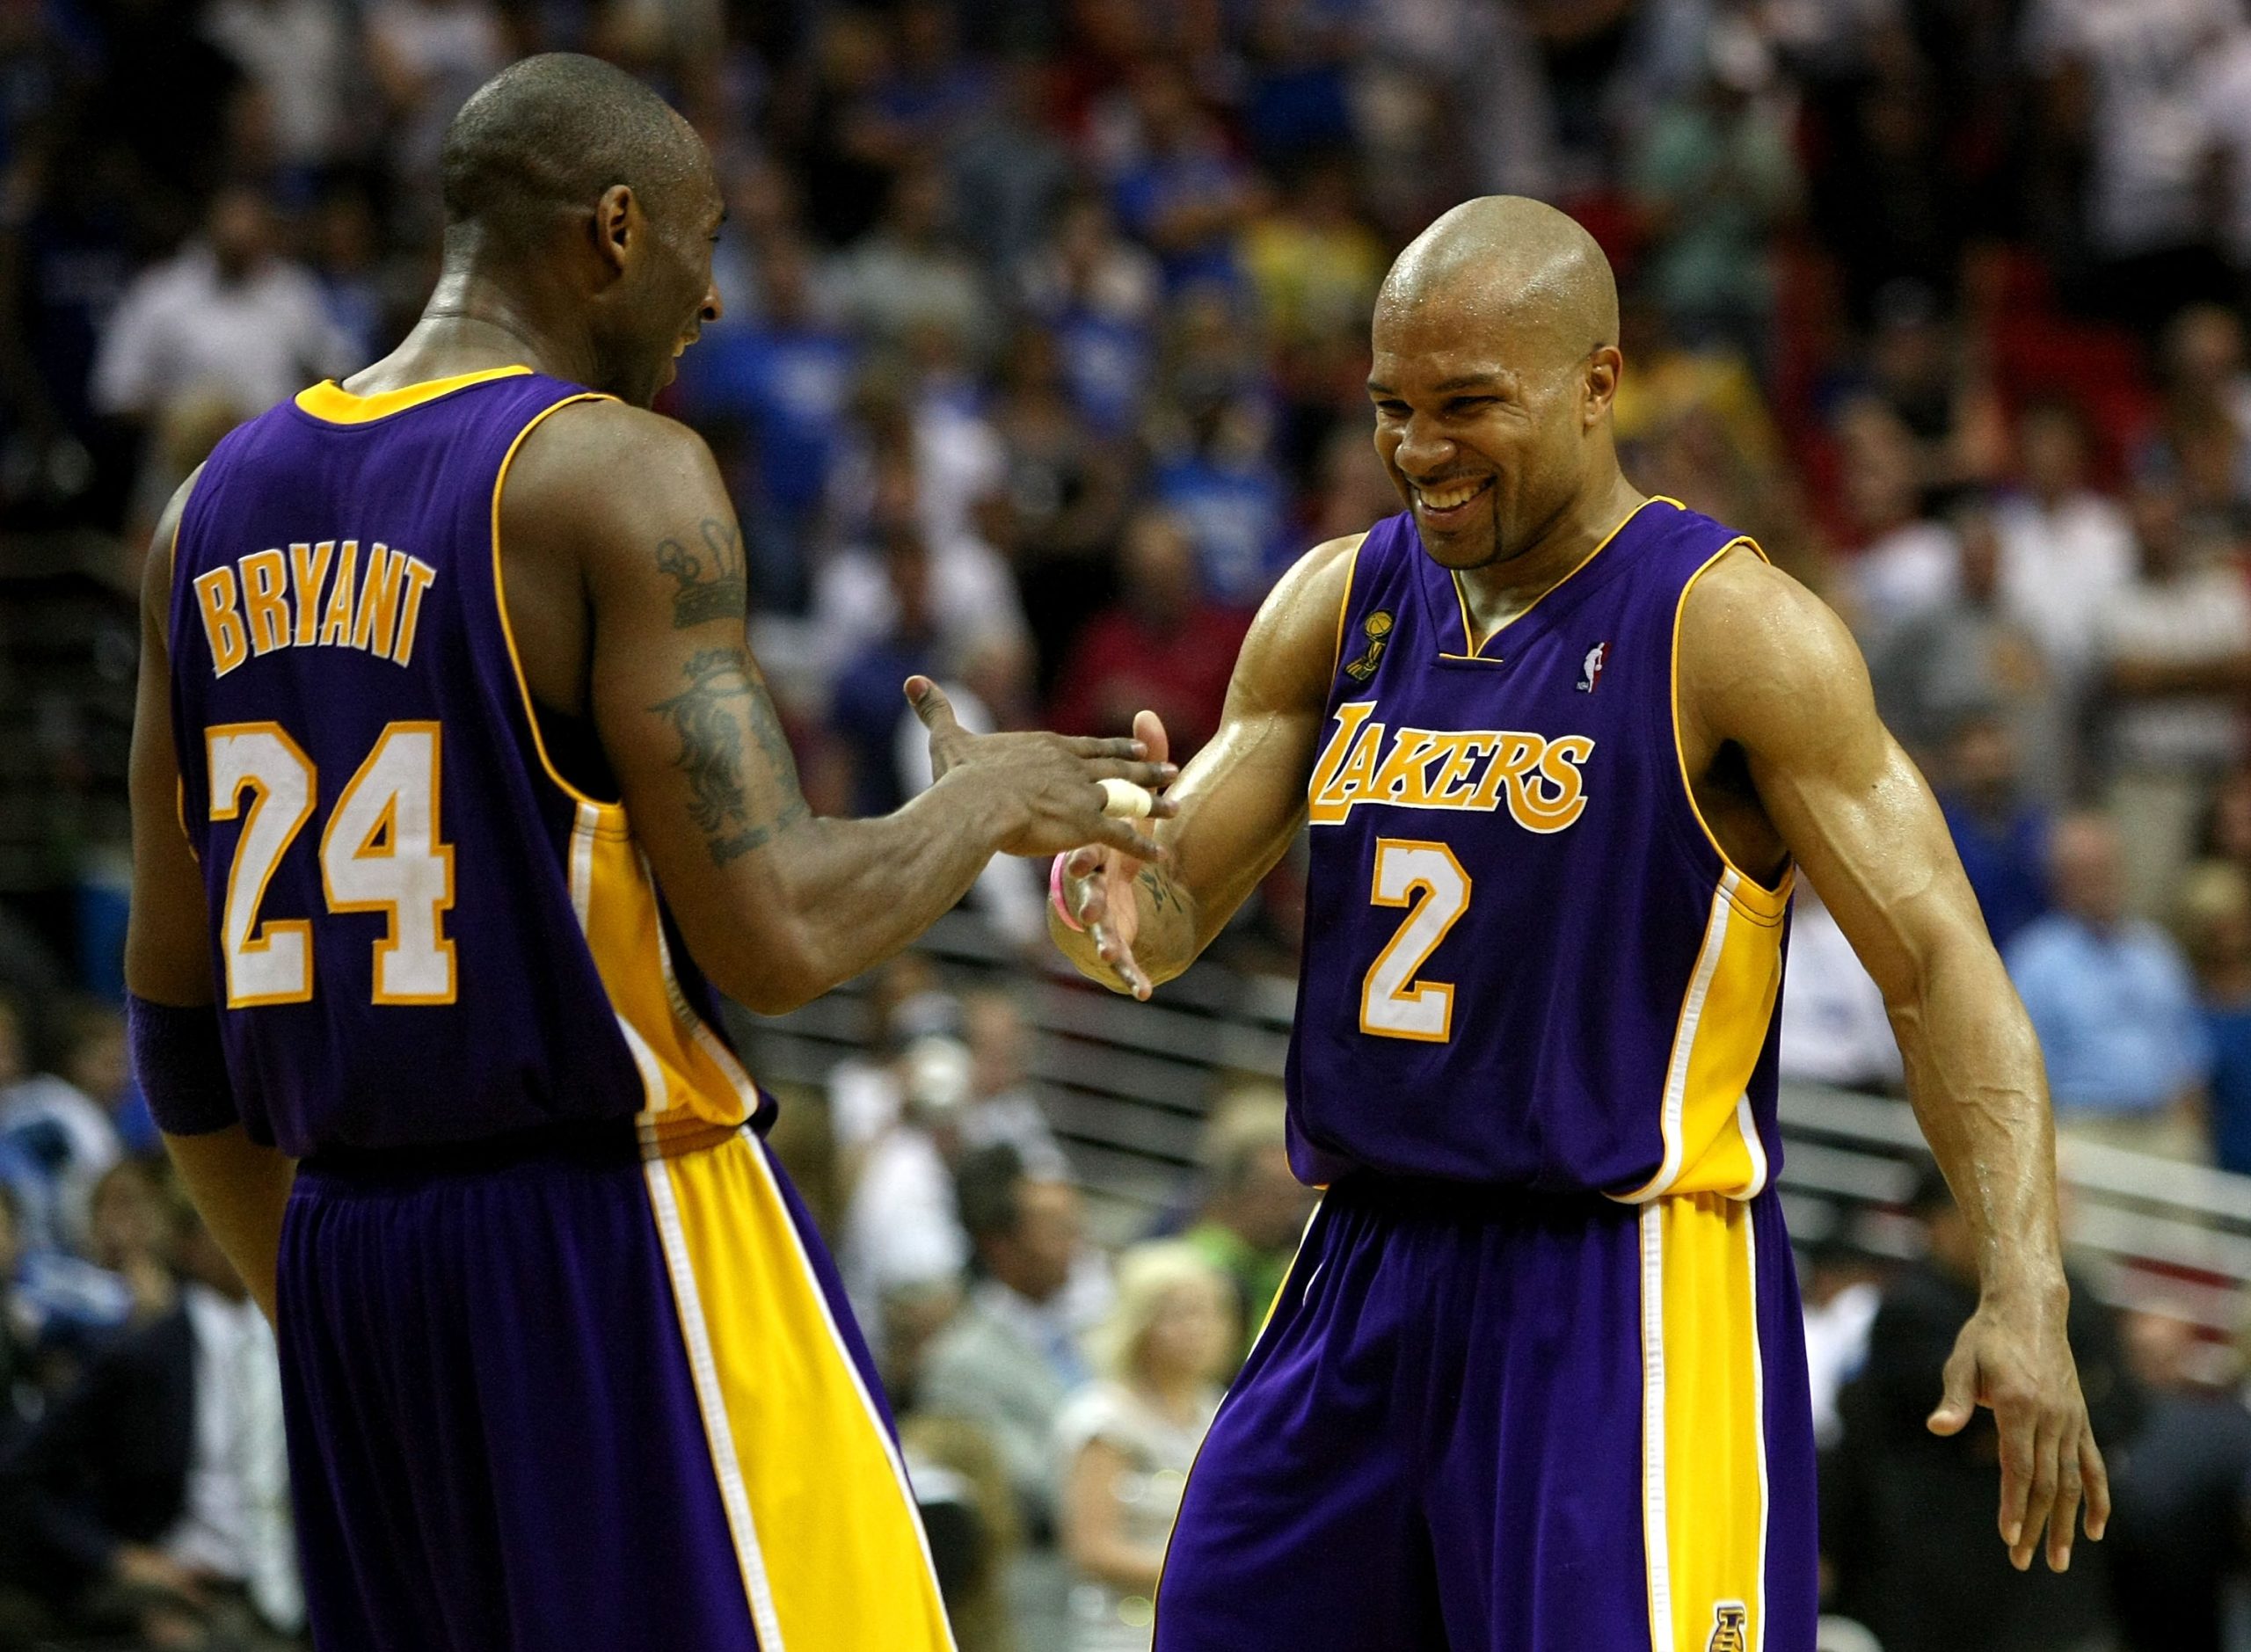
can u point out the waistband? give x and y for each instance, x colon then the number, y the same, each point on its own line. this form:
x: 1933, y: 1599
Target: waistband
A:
x: 1435, y: 1199
x: 588, y: 1144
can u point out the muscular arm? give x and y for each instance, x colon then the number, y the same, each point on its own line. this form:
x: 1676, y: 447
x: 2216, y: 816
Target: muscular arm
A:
x: 1239, y: 800
x: 237, y: 1186
x: 1766, y: 668
x: 776, y: 905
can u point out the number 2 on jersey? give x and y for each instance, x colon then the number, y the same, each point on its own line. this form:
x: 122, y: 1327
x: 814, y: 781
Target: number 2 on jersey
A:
x: 379, y: 852
x: 1393, y: 1003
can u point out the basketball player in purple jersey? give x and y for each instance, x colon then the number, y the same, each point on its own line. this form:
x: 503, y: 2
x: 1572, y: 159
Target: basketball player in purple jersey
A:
x: 1536, y: 1382
x: 451, y: 769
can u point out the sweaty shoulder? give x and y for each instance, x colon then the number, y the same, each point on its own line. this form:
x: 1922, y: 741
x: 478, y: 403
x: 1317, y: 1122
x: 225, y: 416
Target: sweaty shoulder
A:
x: 1290, y: 656
x: 607, y: 513
x: 1763, y: 660
x: 597, y: 472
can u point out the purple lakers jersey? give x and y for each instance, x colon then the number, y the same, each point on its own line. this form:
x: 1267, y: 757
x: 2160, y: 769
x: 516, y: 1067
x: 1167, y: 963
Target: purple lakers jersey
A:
x: 1527, y: 962
x: 422, y: 932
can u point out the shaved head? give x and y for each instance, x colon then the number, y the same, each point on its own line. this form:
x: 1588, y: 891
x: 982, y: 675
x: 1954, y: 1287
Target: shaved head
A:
x: 547, y: 135
x: 1515, y: 262
x: 1495, y: 358
x: 585, y: 199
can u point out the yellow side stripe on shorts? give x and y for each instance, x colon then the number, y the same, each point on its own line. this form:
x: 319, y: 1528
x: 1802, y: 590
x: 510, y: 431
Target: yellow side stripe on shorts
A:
x: 842, y: 1557
x: 1704, y: 1438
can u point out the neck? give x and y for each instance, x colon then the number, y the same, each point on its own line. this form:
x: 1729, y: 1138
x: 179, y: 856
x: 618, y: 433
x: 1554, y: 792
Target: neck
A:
x: 472, y: 322
x: 1500, y: 590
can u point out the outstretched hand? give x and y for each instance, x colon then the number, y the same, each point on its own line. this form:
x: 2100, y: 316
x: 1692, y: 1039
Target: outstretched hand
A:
x: 2013, y: 1357
x: 1044, y: 789
x: 1098, y: 881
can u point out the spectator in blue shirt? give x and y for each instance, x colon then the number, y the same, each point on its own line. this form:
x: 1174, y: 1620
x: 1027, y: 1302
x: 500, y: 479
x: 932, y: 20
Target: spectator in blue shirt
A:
x: 2000, y: 833
x: 2113, y: 1002
x: 1184, y: 195
x: 780, y: 384
x: 2215, y: 924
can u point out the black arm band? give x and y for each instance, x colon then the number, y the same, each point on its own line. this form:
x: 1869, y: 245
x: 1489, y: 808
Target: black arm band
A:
x: 181, y: 1066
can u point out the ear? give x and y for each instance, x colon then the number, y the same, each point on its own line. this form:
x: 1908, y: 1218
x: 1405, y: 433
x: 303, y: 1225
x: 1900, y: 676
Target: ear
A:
x: 1602, y: 370
x: 618, y: 227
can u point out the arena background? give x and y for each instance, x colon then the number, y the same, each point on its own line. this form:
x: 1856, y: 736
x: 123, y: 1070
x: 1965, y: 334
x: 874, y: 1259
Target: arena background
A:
x: 1045, y: 329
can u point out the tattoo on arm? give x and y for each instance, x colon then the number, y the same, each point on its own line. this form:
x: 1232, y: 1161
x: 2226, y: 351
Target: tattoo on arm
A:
x: 710, y: 579
x: 720, y: 685
x: 1162, y: 894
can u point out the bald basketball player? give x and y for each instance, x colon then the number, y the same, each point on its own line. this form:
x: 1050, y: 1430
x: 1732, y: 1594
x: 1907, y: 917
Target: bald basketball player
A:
x: 451, y: 769
x: 1536, y: 1382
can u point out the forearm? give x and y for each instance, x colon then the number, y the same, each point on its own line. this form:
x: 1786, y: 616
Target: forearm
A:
x: 856, y: 891
x: 240, y: 1189
x: 1975, y: 1078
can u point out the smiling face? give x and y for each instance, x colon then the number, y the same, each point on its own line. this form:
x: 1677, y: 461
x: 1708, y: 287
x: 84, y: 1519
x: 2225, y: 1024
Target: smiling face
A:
x: 1480, y: 424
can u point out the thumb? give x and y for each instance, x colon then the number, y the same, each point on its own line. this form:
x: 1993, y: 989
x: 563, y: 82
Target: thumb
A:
x: 931, y: 705
x: 1149, y: 728
x: 1958, y: 1402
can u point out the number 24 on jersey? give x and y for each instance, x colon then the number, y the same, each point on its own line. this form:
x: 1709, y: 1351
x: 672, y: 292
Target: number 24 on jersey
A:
x: 379, y: 852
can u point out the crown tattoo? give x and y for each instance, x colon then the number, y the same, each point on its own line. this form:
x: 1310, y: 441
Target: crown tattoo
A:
x: 712, y: 585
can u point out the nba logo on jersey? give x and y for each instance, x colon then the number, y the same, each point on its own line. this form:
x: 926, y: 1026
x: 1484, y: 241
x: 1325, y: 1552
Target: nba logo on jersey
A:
x: 1591, y: 667
x: 1730, y: 1630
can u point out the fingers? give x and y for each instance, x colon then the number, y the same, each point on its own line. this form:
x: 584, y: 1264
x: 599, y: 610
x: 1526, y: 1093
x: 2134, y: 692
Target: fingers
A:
x: 1960, y: 1396
x: 2017, y: 1443
x: 1122, y: 800
x: 1127, y: 799
x: 931, y: 705
x: 1149, y: 728
x: 1148, y: 776
x: 1119, y: 957
x: 2094, y: 1473
x: 1091, y: 904
x: 2063, y: 1522
x: 1123, y: 750
x: 1121, y: 834
x: 2040, y: 1495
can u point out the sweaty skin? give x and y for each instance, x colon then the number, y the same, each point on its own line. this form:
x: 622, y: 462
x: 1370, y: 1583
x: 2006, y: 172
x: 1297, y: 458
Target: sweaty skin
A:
x: 1496, y: 360
x: 623, y: 565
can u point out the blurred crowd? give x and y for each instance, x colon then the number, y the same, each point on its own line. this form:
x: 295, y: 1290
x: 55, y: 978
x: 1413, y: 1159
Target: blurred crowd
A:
x: 1045, y: 329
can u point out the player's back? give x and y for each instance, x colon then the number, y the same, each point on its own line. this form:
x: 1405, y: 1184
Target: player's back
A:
x: 423, y: 931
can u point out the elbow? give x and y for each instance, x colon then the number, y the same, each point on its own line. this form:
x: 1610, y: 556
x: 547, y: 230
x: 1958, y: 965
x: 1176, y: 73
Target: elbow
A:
x: 779, y: 968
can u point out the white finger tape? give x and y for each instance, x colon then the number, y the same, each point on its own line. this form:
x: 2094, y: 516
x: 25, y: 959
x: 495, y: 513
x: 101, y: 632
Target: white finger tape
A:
x: 1122, y: 800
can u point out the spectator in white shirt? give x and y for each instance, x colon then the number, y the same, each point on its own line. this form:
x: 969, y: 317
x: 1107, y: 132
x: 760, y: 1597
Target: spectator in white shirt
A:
x: 2137, y: 68
x: 2066, y: 551
x: 226, y: 317
x: 1835, y: 1030
x: 1908, y: 565
x: 2175, y: 650
x: 902, y: 1232
x: 299, y: 55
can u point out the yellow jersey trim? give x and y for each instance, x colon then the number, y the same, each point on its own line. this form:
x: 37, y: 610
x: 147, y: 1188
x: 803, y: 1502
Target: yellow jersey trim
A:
x: 331, y: 403
x: 171, y: 581
x: 1754, y: 896
x: 500, y: 604
x: 1345, y: 607
x: 1476, y: 645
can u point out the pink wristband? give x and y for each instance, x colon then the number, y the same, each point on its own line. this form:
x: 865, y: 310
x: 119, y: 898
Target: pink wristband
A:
x: 1055, y: 894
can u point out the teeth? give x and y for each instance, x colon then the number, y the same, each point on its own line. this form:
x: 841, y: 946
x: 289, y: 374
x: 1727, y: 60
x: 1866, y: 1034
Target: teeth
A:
x: 1446, y: 497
